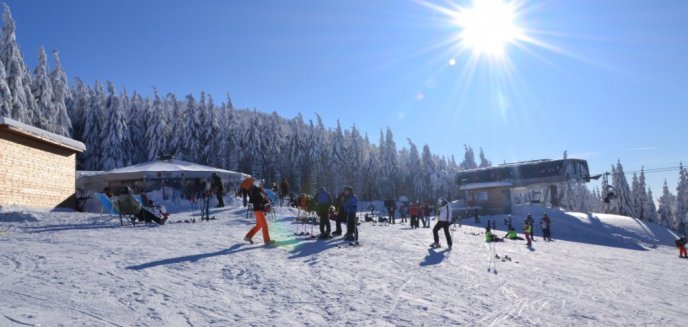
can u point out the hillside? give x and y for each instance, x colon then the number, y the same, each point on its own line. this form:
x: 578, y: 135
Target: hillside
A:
x: 66, y: 268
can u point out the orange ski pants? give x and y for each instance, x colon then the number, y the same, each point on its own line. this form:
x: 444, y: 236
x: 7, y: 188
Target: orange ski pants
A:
x: 261, y: 223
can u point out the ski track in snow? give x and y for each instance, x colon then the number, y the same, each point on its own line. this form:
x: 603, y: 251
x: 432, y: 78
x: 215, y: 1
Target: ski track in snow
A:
x: 70, y: 269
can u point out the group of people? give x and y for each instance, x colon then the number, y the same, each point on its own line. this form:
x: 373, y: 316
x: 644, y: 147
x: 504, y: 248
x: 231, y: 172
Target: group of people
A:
x: 342, y: 208
x: 545, y: 225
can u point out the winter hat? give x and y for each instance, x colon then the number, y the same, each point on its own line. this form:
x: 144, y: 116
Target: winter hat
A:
x: 257, y: 182
x: 349, y: 188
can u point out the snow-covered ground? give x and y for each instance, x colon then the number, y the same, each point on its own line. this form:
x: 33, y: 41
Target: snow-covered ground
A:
x: 81, y: 269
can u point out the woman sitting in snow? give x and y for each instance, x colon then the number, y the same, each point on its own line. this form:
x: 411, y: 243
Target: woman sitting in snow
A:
x: 127, y: 203
x: 489, y: 237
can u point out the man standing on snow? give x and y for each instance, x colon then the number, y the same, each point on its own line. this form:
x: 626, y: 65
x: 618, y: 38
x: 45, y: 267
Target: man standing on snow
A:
x: 443, y: 222
x: 218, y: 189
x: 349, y: 207
x: 259, y: 199
x: 546, y: 224
x: 323, y: 200
x: 681, y: 244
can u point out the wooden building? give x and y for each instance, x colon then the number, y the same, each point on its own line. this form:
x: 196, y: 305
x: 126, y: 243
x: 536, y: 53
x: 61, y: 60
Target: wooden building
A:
x: 37, y: 168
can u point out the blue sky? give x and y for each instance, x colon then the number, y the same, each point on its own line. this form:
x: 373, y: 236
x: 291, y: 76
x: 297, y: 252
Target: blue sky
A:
x: 607, y: 80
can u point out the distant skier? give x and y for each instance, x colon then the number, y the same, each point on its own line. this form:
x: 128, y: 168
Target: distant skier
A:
x: 681, y: 244
x: 528, y: 230
x: 545, y: 223
x: 489, y: 237
x: 512, y: 235
x: 414, y: 210
x: 529, y: 220
x: 218, y: 189
x: 476, y: 217
x: 443, y: 222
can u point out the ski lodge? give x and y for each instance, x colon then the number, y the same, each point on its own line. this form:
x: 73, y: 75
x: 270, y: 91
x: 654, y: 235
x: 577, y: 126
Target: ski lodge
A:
x: 492, y: 188
x: 37, y: 168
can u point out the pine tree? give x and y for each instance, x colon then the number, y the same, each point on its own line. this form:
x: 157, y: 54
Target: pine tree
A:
x: 5, y: 94
x: 114, y: 134
x: 667, y: 205
x: 390, y: 164
x: 469, y: 159
x: 136, y: 121
x: 156, y: 131
x: 93, y: 122
x: 192, y: 128
x: 484, y: 163
x: 46, y: 114
x: 427, y: 170
x: 61, y: 94
x: 175, y: 125
x: 682, y: 198
x: 18, y: 77
x: 623, y: 200
x: 650, y: 210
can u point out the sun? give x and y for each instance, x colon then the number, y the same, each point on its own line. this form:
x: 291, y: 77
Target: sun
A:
x: 488, y: 26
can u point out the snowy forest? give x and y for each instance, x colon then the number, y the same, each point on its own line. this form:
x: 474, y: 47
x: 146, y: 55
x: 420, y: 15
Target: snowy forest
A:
x: 121, y: 128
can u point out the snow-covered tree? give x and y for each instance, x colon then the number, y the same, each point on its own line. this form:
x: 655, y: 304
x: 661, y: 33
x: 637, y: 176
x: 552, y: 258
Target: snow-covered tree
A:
x: 468, y: 159
x: 622, y: 203
x: 667, y: 207
x: 484, y: 163
x: 45, y: 114
x: 18, y: 77
x: 5, y: 94
x: 192, y: 128
x: 93, y: 124
x: 115, y: 142
x: 61, y: 93
x: 682, y: 198
x: 639, y: 195
x: 650, y: 210
x: 390, y: 165
x: 156, y: 128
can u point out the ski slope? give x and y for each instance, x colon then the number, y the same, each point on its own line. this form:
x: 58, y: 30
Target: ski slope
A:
x: 68, y: 269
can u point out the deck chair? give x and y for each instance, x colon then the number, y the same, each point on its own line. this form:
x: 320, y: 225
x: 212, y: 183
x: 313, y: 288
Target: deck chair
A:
x: 107, y: 205
x: 126, y: 213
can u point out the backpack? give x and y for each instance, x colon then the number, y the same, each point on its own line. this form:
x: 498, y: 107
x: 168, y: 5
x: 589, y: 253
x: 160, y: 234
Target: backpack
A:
x: 681, y: 241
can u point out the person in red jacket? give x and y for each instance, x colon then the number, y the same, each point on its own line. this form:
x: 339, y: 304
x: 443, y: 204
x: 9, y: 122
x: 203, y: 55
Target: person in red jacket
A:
x: 681, y: 244
x: 414, y: 210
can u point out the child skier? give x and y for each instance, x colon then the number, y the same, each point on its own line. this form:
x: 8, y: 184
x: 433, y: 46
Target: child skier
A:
x: 681, y: 244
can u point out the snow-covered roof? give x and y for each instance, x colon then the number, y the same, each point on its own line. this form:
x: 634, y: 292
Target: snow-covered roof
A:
x: 166, y: 168
x: 474, y: 186
x: 41, y: 134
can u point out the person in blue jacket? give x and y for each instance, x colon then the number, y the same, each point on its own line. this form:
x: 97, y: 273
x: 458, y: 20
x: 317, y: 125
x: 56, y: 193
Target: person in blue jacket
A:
x: 349, y: 207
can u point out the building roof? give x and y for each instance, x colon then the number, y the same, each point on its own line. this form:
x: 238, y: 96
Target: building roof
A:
x: 41, y: 134
x: 475, y: 186
x: 164, y: 168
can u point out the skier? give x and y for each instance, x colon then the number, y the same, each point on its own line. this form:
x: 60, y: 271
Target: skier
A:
x: 489, y: 237
x: 512, y: 235
x: 216, y: 184
x: 323, y: 201
x: 476, y: 216
x: 530, y: 221
x: 528, y: 231
x: 244, y: 188
x: 681, y: 244
x: 545, y: 224
x: 425, y: 215
x: 284, y: 191
x: 443, y: 222
x: 413, y: 211
x: 259, y: 199
x: 341, y: 216
x: 349, y: 206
